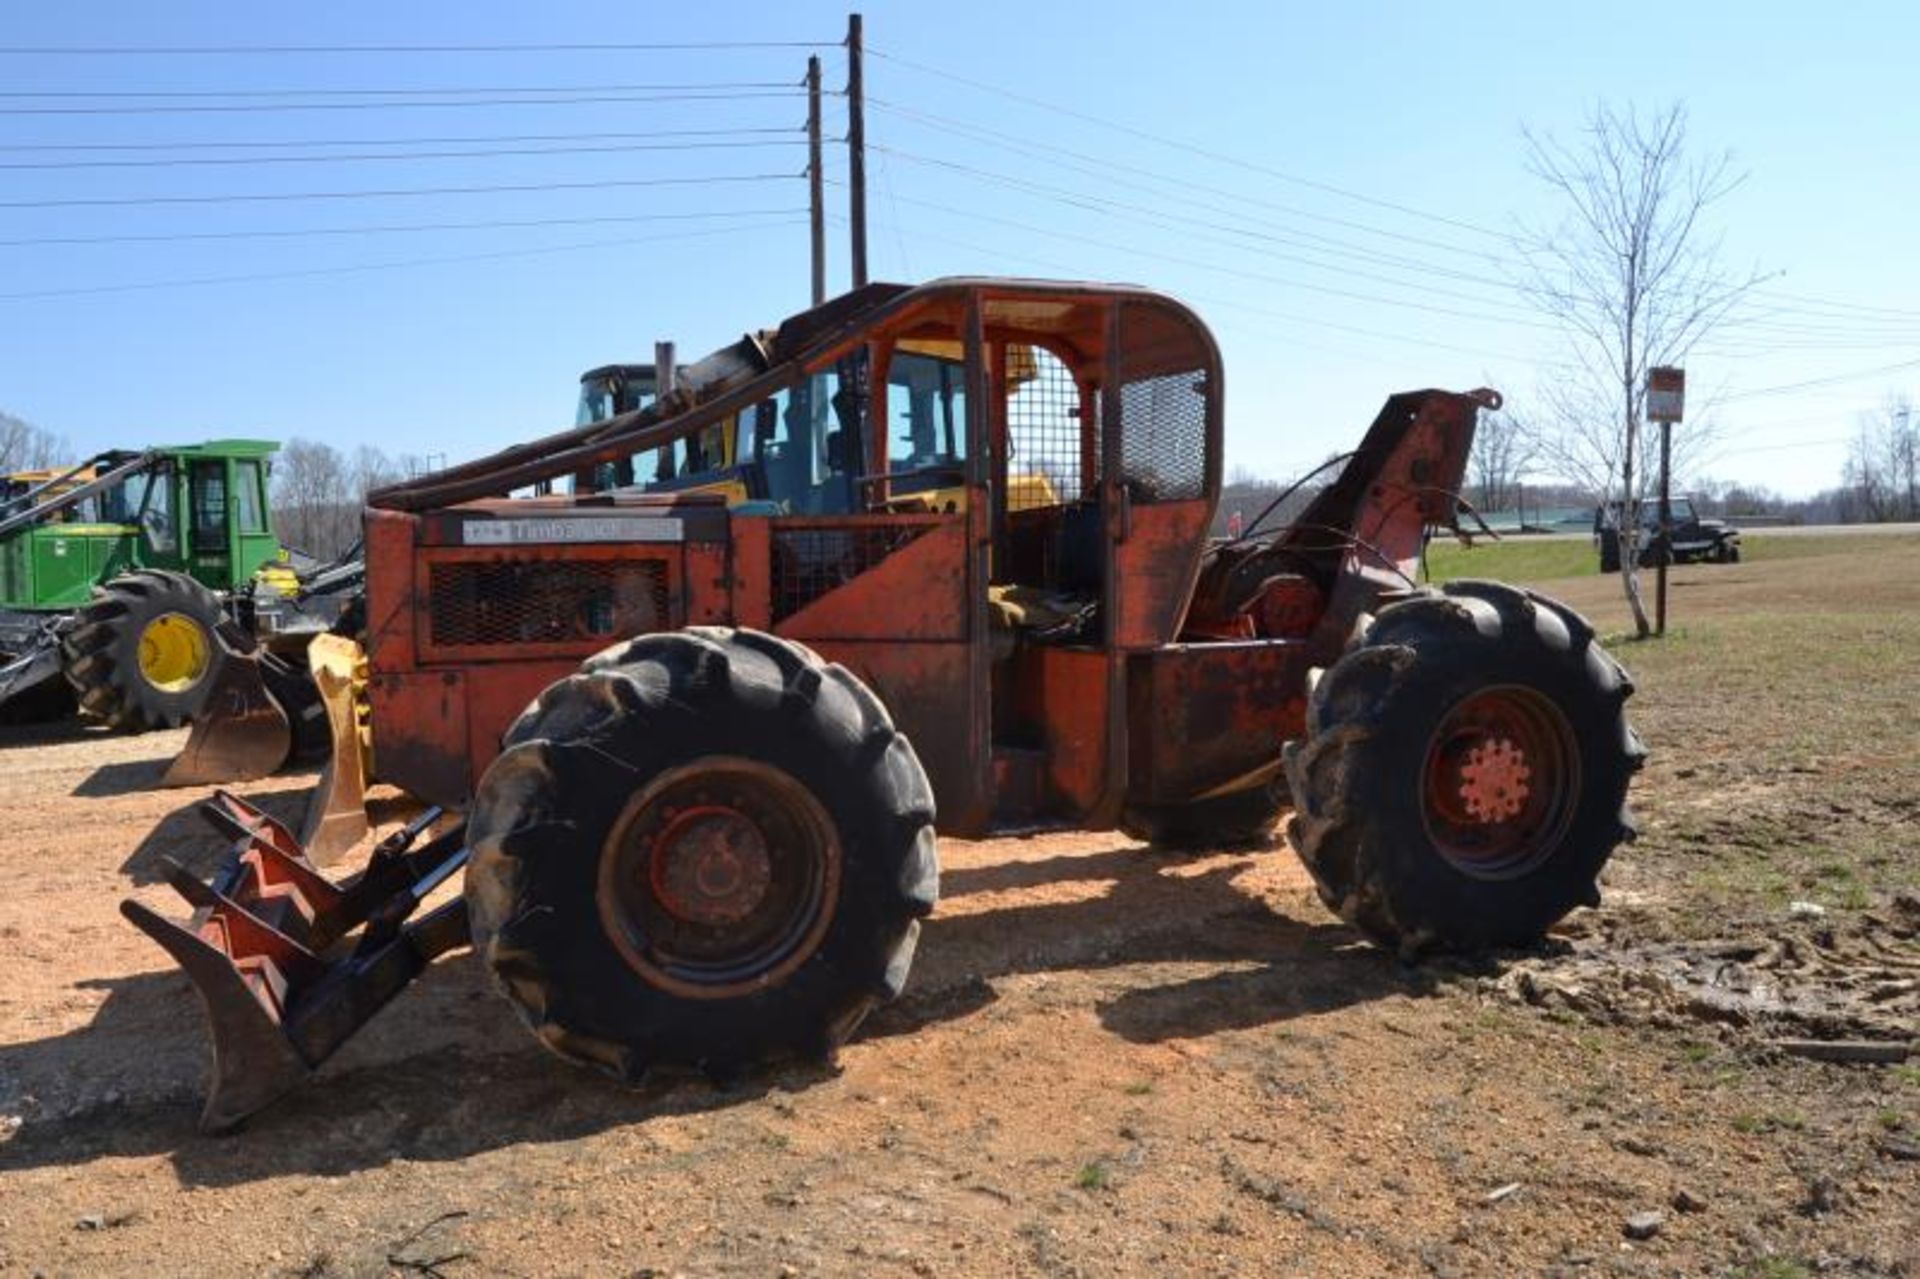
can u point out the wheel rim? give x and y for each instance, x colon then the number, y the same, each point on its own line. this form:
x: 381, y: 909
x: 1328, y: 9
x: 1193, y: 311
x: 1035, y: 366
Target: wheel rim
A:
x: 719, y: 878
x: 174, y: 653
x: 1500, y: 782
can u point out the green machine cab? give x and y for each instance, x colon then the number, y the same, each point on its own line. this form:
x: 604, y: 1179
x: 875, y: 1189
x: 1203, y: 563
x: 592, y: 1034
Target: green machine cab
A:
x: 115, y: 573
x: 195, y: 509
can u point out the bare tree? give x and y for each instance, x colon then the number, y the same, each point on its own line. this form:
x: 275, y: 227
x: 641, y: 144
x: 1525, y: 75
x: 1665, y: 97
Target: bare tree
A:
x: 25, y: 447
x: 373, y: 469
x: 1503, y: 448
x: 1634, y: 281
x: 1882, y: 472
x: 319, y: 493
x: 314, y: 499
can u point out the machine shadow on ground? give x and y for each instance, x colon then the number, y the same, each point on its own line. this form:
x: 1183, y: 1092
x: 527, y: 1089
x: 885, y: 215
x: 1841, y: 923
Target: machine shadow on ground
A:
x: 125, y: 777
x: 185, y: 836
x: 54, y: 733
x: 443, y: 1075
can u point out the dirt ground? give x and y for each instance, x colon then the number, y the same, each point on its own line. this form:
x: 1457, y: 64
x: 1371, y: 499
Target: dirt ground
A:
x: 1108, y: 1061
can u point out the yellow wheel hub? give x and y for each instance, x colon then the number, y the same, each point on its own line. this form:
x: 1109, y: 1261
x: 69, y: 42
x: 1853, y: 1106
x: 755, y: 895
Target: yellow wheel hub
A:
x: 174, y: 652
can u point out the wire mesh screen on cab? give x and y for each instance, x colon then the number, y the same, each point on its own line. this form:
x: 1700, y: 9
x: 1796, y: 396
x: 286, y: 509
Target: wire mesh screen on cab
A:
x: 1045, y: 432
x: 1163, y: 406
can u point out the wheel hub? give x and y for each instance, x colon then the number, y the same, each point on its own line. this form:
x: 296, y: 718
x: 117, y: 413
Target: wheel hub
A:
x: 710, y: 865
x: 1493, y: 780
x: 1501, y: 780
x: 719, y: 878
x: 174, y: 653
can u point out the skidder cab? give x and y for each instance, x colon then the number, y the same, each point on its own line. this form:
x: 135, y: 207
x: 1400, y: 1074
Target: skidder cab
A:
x: 703, y: 740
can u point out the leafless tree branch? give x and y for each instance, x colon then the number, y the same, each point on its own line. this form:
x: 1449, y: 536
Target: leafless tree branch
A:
x: 1634, y: 281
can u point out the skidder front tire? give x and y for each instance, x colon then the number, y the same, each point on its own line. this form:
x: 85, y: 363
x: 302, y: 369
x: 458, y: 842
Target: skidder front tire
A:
x: 1464, y: 774
x: 707, y: 849
x: 142, y: 653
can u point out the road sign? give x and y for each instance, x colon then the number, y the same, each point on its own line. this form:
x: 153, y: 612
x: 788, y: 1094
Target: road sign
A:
x: 1666, y: 394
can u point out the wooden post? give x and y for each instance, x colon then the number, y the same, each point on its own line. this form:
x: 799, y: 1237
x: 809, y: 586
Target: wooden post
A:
x: 1666, y: 531
x: 816, y: 192
x: 857, y: 149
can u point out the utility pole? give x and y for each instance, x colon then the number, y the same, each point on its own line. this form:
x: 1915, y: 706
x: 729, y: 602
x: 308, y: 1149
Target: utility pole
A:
x: 816, y: 183
x: 857, y: 149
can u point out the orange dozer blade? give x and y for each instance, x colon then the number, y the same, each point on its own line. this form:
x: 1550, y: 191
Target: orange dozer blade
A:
x: 288, y: 963
x: 337, y: 813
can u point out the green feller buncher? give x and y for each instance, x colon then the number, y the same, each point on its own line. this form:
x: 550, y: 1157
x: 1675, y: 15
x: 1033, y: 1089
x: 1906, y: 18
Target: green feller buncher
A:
x: 130, y: 581
x: 149, y: 589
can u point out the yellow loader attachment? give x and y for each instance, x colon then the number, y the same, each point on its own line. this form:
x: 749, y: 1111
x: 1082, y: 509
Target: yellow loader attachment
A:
x: 337, y: 814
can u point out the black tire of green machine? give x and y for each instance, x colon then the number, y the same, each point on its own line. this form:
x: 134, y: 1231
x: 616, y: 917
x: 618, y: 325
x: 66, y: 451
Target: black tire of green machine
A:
x: 542, y: 813
x: 1358, y: 774
x: 101, y: 650
x: 1244, y: 819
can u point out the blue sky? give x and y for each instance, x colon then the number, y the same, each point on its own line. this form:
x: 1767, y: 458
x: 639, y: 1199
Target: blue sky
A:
x: 1330, y: 185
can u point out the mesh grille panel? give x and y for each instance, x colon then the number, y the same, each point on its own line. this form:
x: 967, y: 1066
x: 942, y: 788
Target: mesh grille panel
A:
x: 1044, y: 432
x: 1164, y: 405
x: 809, y: 562
x: 545, y: 602
x: 1163, y: 436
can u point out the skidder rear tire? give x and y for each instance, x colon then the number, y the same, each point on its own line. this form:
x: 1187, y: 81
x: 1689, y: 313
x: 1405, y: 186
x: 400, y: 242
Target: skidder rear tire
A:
x: 1464, y: 774
x: 707, y: 849
x: 143, y: 654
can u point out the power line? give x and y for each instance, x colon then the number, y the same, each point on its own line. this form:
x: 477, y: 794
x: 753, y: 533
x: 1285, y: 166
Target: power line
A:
x: 396, y: 92
x: 445, y: 140
x: 1077, y: 199
x: 1237, y: 162
x: 1207, y: 153
x: 1778, y: 318
x: 225, y: 50
x: 1785, y: 387
x: 1076, y: 272
x: 1104, y: 169
x: 252, y: 278
x: 1317, y: 322
x: 1242, y: 232
x: 1836, y: 304
x: 240, y: 197
x: 1099, y: 205
x: 258, y: 108
x: 389, y: 229
x: 1781, y: 448
x: 177, y: 162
